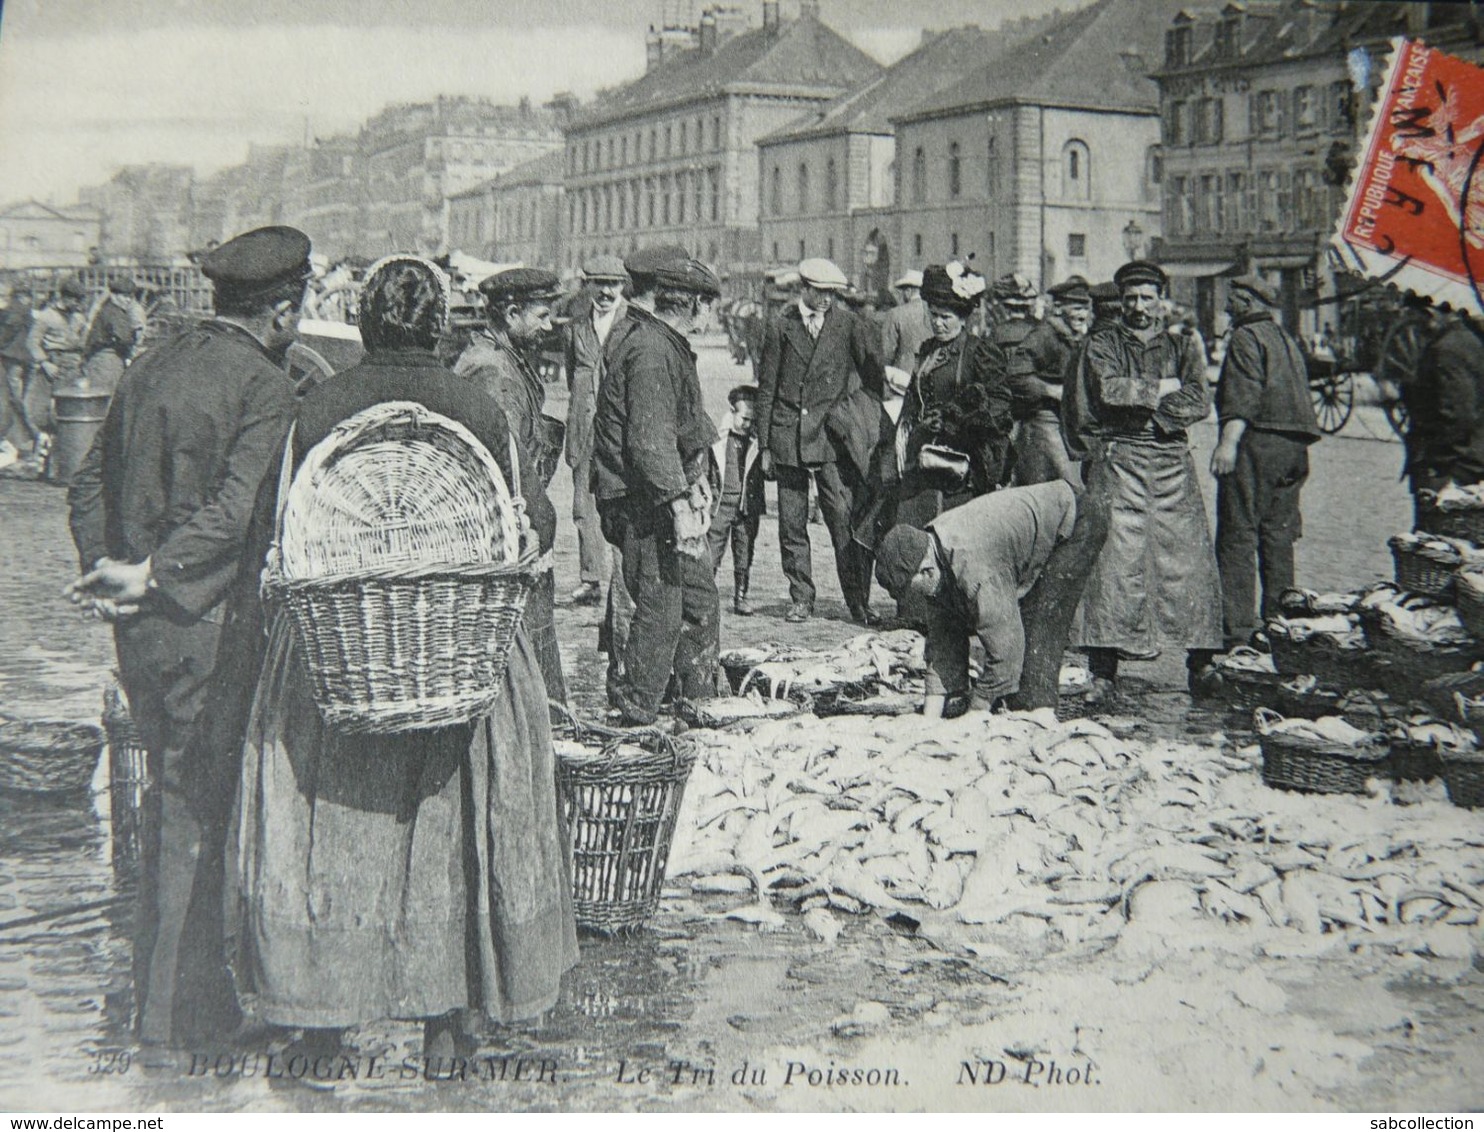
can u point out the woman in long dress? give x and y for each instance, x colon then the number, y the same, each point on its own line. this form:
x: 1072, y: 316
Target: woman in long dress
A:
x: 958, y: 397
x: 417, y: 875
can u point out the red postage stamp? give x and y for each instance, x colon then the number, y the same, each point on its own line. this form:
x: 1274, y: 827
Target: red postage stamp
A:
x: 1415, y: 211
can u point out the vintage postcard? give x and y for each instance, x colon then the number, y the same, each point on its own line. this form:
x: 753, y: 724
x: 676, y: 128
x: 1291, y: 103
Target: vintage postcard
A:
x: 786, y: 555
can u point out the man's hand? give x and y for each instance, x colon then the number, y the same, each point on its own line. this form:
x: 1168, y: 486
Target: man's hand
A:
x: 1224, y: 459
x: 765, y: 462
x: 121, y: 583
x: 1168, y: 385
x: 689, y: 522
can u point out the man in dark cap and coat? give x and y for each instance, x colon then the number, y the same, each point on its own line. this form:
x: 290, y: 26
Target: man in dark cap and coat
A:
x: 600, y: 307
x: 55, y: 345
x: 1129, y: 403
x: 517, y: 304
x: 1262, y: 457
x: 1445, y: 405
x: 1035, y: 359
x: 112, y: 337
x: 160, y: 511
x: 656, y: 481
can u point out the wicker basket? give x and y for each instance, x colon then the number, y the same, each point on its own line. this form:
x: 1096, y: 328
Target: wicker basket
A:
x: 1336, y: 667
x: 1413, y: 761
x: 1468, y: 596
x: 48, y: 756
x: 1463, y: 775
x: 1442, y: 694
x: 1465, y: 524
x: 128, y: 781
x: 1419, y: 573
x: 404, y: 562
x: 1296, y: 762
x: 620, y: 802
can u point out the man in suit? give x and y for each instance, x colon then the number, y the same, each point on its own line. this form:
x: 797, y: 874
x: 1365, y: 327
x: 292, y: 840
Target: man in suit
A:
x: 593, y: 318
x: 905, y: 327
x: 160, y: 514
x: 820, y: 369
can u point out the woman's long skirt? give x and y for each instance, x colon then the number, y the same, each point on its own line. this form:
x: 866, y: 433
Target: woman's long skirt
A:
x: 1155, y: 582
x: 397, y: 876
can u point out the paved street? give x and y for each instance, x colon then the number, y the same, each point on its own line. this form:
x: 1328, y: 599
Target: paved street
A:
x: 697, y: 987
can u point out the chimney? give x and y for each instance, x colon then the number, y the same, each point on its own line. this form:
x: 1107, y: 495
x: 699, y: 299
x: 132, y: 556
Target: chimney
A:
x: 654, y: 50
x: 708, y: 32
x: 770, y: 14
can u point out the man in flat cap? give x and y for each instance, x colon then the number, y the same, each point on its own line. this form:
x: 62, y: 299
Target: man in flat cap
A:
x: 113, y: 335
x: 905, y: 327
x: 1036, y: 359
x: 655, y: 484
x: 1071, y: 308
x: 1262, y: 457
x: 160, y: 516
x: 1130, y: 400
x: 602, y: 304
x: 1009, y: 568
x: 817, y: 359
x: 518, y: 307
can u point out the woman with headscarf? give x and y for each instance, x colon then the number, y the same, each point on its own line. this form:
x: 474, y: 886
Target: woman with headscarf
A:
x: 953, y: 435
x: 418, y: 875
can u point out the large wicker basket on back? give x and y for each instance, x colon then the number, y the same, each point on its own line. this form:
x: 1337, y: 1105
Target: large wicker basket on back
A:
x: 404, y: 561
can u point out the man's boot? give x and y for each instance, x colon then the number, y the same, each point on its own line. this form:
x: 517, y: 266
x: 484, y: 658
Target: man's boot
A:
x: 740, y: 605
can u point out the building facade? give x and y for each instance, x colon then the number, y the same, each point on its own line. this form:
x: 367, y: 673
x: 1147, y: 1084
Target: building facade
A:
x: 33, y: 234
x: 1045, y: 161
x: 145, y: 213
x: 1260, y: 123
x: 514, y: 218
x: 671, y: 157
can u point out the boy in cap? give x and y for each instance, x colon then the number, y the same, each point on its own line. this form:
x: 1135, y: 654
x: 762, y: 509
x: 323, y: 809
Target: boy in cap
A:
x: 160, y: 512
x: 816, y: 357
x: 601, y: 306
x: 741, y: 504
x: 1261, y: 459
x: 1009, y: 568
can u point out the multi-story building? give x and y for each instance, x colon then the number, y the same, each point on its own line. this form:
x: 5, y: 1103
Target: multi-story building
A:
x: 515, y: 217
x: 671, y: 157
x: 146, y: 213
x: 1045, y: 160
x: 828, y: 178
x: 332, y: 204
x: 33, y: 234
x: 244, y: 196
x: 1261, y: 118
x: 417, y: 156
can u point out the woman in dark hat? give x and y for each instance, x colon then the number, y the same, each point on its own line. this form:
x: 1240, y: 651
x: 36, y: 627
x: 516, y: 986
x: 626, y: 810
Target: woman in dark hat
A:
x: 400, y: 876
x: 953, y: 436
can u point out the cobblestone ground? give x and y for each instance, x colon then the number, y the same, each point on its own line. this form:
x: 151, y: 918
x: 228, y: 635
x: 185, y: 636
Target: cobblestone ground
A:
x: 695, y: 988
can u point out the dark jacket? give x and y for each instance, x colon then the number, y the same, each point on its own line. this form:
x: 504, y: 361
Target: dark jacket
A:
x: 501, y: 371
x: 750, y: 491
x: 948, y: 375
x: 651, y: 434
x: 584, y: 364
x: 1113, y: 388
x: 195, y: 426
x: 1445, y: 439
x: 1264, y: 380
x: 802, y: 382
x: 112, y: 330
x: 1036, y: 357
x: 15, y: 328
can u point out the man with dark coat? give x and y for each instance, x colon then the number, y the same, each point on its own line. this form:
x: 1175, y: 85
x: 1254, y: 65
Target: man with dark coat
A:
x: 160, y: 514
x: 655, y: 479
x: 16, y: 428
x: 593, y: 319
x: 1262, y: 457
x: 819, y: 379
x: 1036, y: 359
x: 112, y: 337
x: 1445, y: 406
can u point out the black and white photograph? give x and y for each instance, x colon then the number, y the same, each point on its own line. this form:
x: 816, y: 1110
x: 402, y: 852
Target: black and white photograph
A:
x: 758, y: 556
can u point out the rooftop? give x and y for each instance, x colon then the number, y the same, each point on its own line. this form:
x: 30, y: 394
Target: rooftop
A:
x: 548, y: 169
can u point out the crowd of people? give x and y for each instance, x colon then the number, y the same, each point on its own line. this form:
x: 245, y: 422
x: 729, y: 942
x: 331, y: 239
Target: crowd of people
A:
x: 1006, y: 466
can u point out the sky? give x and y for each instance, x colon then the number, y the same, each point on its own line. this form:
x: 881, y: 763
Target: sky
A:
x: 89, y: 85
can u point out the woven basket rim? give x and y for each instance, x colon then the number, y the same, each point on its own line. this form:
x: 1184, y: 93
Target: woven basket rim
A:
x: 527, y: 566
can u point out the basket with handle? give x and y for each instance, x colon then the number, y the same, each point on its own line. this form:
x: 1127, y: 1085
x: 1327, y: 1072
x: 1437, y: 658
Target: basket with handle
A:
x: 1463, y: 776
x: 1420, y: 570
x: 1465, y: 523
x: 1468, y: 597
x: 404, y: 562
x: 128, y: 778
x: 1302, y: 762
x: 620, y: 794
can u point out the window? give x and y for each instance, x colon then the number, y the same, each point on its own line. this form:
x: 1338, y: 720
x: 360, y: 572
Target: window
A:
x: 623, y: 150
x: 665, y: 199
x: 1177, y: 46
x: 716, y: 132
x: 953, y: 243
x: 649, y: 195
x: 1266, y: 118
x: 1303, y: 108
x: 1342, y: 116
x: 1236, y: 202
x: 715, y: 187
x: 653, y: 143
x: 669, y: 137
x: 622, y: 193
x: 1076, y: 171
x: 682, y: 186
x: 1076, y: 245
x: 1175, y: 123
x: 919, y: 176
x: 991, y: 170
x: 775, y: 195
x: 831, y: 185
x: 1229, y: 36
x: 610, y: 153
x: 829, y: 248
x: 1208, y: 121
x: 776, y: 256
x: 955, y: 171
x: 802, y: 253
x: 683, y: 132
x: 1210, y: 203
x: 803, y: 189
x: 1308, y: 199
x: 1180, y: 206
x: 917, y: 245
x: 1268, y: 187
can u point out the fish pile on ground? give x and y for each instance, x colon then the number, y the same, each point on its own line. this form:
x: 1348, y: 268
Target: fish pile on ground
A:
x: 1015, y: 826
x: 870, y: 658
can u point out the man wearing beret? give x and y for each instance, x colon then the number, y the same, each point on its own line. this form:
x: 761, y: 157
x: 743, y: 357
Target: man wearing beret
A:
x: 1130, y: 400
x: 592, y: 322
x: 655, y: 483
x: 160, y: 515
x: 112, y: 337
x: 1262, y: 457
x: 517, y: 305
x: 817, y: 359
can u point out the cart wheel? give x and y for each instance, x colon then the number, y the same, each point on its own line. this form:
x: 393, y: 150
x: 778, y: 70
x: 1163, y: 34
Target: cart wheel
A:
x: 1401, y: 351
x: 1396, y: 413
x: 1334, y: 400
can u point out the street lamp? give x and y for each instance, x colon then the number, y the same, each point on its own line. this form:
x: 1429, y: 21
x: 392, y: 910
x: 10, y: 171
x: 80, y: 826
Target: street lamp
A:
x: 1133, y: 239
